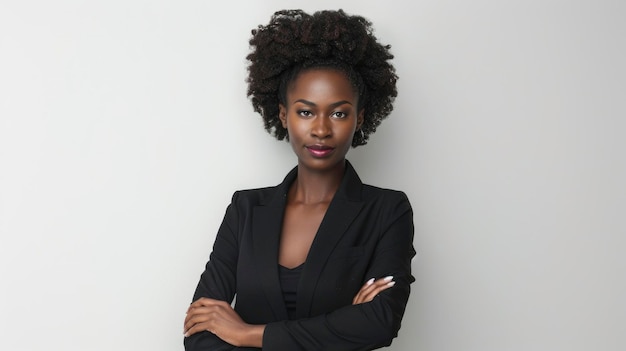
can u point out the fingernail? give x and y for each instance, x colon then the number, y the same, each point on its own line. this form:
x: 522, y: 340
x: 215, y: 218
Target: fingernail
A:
x: 390, y: 284
x: 369, y: 282
x: 388, y: 278
x: 186, y: 334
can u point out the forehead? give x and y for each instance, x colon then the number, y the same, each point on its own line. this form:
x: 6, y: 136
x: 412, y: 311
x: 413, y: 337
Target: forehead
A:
x: 321, y: 84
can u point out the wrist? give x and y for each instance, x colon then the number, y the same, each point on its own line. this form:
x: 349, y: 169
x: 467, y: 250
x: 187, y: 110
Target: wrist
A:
x: 253, y: 336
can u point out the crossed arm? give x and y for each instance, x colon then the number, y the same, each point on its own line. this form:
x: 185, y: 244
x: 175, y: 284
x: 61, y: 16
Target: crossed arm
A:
x: 212, y: 324
x: 219, y: 318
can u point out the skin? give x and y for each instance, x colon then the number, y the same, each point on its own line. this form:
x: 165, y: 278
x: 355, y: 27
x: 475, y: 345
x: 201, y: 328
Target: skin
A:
x: 321, y: 118
x: 321, y: 111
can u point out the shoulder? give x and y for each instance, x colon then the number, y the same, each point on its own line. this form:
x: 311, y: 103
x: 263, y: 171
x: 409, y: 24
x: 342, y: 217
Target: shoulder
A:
x: 373, y: 193
x: 388, y: 201
x: 270, y: 195
x: 257, y: 196
x: 355, y: 189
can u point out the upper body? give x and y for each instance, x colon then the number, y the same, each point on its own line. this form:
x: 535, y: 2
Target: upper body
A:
x: 367, y: 232
x: 324, y: 83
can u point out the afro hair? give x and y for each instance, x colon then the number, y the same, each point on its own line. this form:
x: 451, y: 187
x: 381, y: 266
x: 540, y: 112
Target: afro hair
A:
x: 294, y: 41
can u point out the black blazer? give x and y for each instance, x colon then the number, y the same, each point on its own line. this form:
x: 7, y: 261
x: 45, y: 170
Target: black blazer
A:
x: 367, y: 232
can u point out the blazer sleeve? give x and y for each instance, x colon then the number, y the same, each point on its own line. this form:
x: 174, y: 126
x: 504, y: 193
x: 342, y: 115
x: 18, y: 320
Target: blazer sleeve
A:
x: 369, y: 325
x: 218, y: 281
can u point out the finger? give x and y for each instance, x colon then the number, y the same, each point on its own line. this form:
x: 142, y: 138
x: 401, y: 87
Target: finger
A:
x: 202, y: 314
x: 210, y: 318
x: 198, y: 328
x: 371, y: 294
x: 196, y: 318
x: 206, y: 302
x: 197, y: 310
x: 360, y: 292
x: 369, y: 291
x: 198, y: 303
x: 367, y: 288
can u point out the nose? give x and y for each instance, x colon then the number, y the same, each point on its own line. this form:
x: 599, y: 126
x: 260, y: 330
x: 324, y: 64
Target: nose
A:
x: 321, y: 127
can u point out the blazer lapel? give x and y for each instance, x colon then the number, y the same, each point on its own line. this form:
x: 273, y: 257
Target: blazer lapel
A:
x: 266, y: 228
x: 343, y: 209
x: 267, y: 221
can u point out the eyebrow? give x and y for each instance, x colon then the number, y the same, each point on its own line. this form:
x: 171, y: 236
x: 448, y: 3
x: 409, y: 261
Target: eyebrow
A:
x: 333, y: 105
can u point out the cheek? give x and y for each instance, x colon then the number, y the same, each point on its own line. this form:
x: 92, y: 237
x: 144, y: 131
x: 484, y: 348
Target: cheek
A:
x: 348, y: 130
x: 295, y: 127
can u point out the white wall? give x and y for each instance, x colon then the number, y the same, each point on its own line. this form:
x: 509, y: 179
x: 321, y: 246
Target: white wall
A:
x: 116, y: 118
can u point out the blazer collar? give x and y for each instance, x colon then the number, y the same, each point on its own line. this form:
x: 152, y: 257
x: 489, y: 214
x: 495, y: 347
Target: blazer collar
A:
x: 267, y: 225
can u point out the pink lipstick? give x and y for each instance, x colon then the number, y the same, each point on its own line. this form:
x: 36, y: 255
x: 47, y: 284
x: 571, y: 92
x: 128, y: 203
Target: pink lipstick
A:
x: 320, y: 150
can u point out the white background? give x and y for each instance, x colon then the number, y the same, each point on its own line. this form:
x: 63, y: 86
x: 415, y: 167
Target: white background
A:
x: 125, y: 128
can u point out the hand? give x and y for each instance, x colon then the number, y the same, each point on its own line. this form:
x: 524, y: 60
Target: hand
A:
x: 219, y: 318
x: 372, y: 288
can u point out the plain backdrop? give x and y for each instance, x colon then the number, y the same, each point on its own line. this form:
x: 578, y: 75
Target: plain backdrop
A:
x: 125, y: 129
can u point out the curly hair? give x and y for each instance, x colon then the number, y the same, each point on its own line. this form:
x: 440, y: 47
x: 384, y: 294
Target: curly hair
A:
x: 294, y: 41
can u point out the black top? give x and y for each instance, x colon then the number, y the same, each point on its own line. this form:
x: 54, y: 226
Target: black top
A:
x: 289, y: 278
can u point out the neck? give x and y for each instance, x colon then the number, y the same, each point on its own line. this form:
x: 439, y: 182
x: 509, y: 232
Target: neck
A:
x: 316, y: 187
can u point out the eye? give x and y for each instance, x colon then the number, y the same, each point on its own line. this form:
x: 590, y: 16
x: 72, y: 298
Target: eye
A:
x: 339, y: 114
x: 305, y: 113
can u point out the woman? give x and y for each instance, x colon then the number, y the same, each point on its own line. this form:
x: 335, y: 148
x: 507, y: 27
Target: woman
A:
x: 321, y: 261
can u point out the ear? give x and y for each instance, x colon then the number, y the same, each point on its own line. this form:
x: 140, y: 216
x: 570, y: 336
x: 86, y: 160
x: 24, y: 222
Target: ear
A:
x: 360, y: 118
x: 282, y: 115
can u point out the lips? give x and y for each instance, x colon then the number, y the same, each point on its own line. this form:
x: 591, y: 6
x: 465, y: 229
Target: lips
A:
x: 320, y: 150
